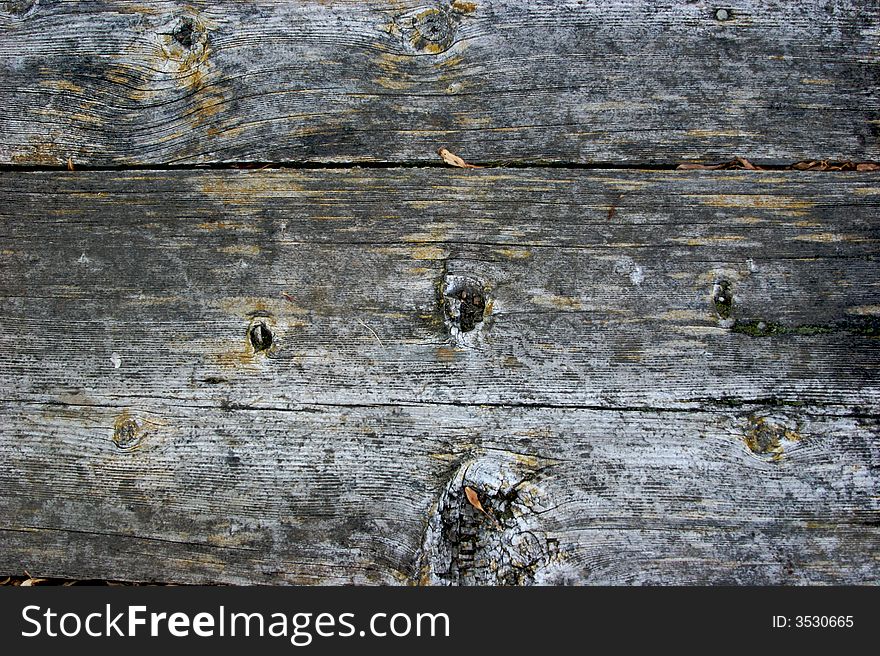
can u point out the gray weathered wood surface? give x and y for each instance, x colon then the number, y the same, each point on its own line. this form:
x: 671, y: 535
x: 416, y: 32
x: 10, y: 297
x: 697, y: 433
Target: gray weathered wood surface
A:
x: 630, y: 81
x: 675, y: 380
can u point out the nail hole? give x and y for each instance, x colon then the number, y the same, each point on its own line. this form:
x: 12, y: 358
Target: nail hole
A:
x: 260, y: 336
x: 466, y: 305
x: 722, y: 297
x: 183, y: 33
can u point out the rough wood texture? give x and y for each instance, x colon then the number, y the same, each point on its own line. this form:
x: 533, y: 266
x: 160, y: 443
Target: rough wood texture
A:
x: 273, y: 376
x: 629, y: 81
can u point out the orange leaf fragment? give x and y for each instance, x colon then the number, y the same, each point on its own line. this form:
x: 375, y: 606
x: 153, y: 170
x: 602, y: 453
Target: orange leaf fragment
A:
x: 473, y: 499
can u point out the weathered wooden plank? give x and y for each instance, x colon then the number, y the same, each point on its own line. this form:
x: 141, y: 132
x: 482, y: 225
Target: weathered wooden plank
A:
x: 631, y: 81
x: 329, y: 494
x: 622, y: 419
x: 599, y: 289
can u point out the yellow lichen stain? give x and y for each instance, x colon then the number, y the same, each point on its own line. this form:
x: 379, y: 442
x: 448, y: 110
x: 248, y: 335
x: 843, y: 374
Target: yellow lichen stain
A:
x: 45, y: 154
x: 512, y: 362
x: 249, y: 306
x: 830, y: 237
x: 61, y: 85
x: 558, y: 302
x: 708, y: 134
x: 467, y: 120
x: 464, y: 7
x: 91, y: 119
x: 92, y: 195
x: 864, y: 310
x: 807, y: 224
x: 429, y: 253
x: 250, y: 186
x: 626, y: 185
x: 225, y: 225
x: 228, y: 132
x: 701, y: 331
x: 709, y: 241
x: 816, y: 80
x: 432, y: 48
x: 449, y: 62
x: 867, y: 191
x: 130, y: 85
x: 514, y: 253
x: 530, y: 462
x: 134, y: 8
x: 762, y: 201
x: 679, y: 315
x: 395, y: 84
x: 444, y: 457
x: 445, y: 354
x: 240, y: 249
x: 235, y: 357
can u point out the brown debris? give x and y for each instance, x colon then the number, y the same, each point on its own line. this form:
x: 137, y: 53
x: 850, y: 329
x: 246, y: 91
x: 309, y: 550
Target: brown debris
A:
x: 735, y: 163
x: 807, y: 165
x: 825, y: 165
x: 454, y: 160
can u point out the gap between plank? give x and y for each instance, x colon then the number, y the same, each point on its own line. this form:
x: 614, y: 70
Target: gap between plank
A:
x: 410, y: 164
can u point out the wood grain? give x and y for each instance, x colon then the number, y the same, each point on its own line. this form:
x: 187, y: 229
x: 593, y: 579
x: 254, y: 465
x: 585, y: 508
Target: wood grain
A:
x: 622, y: 419
x: 112, y: 83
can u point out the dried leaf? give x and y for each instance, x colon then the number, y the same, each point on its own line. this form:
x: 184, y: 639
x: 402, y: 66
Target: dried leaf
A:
x: 31, y: 582
x: 746, y: 164
x: 735, y: 163
x: 69, y: 163
x: 454, y: 160
x: 473, y: 499
x: 867, y: 166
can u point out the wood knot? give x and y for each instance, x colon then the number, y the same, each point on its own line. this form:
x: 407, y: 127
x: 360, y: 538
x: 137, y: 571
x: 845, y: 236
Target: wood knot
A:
x: 487, y: 527
x: 431, y: 31
x: 128, y: 432
x: 722, y: 14
x: 770, y: 436
x: 19, y: 8
x: 464, y: 305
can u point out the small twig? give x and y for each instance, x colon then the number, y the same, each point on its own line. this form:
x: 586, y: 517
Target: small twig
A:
x: 372, y: 331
